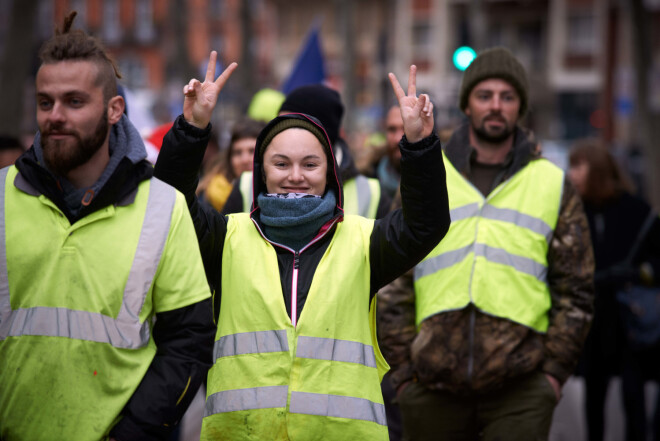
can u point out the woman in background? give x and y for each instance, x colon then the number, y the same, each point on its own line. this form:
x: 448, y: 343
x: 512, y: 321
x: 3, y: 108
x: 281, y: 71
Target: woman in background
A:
x: 216, y: 184
x: 615, y: 218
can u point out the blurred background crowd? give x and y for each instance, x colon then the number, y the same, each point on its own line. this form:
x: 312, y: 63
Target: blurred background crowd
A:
x: 593, y: 68
x: 587, y: 61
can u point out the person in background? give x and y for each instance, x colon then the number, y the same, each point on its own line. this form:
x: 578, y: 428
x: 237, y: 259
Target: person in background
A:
x: 217, y: 183
x: 388, y: 169
x: 10, y: 150
x: 265, y: 104
x: 296, y: 354
x: 363, y: 196
x: 492, y: 322
x: 106, y: 322
x: 615, y: 218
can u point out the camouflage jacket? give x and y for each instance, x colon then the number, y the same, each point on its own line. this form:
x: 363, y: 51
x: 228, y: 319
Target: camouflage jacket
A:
x: 467, y: 351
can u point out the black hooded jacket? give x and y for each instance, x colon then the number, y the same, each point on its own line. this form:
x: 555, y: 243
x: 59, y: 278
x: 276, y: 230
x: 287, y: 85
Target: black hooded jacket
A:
x: 398, y: 241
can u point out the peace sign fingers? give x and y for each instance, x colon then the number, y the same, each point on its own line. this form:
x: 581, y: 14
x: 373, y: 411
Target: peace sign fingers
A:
x: 412, y: 81
x: 224, y: 76
x: 200, y: 98
x: 210, y: 68
x: 415, y: 112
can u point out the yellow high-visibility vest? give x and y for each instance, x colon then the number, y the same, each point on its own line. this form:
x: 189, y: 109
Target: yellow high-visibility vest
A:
x: 77, y: 303
x: 317, y: 379
x: 361, y: 196
x: 245, y: 186
x: 495, y: 253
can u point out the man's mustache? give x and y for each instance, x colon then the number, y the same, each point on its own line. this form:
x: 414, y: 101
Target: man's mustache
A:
x: 495, y: 117
x: 56, y: 130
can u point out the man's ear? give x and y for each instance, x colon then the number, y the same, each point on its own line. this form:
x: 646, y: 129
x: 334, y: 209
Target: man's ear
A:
x: 116, y: 107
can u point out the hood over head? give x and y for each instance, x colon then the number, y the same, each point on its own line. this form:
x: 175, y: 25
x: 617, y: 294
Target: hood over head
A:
x: 289, y: 121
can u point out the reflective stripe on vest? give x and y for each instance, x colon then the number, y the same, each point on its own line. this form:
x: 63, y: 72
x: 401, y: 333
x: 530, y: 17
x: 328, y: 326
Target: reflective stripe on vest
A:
x: 337, y: 406
x: 125, y: 331
x: 308, y: 347
x: 505, y: 215
x: 301, y: 402
x: 501, y: 240
x: 246, y: 399
x: 497, y: 255
x: 250, y: 343
x: 336, y: 350
x: 245, y: 186
x: 361, y: 196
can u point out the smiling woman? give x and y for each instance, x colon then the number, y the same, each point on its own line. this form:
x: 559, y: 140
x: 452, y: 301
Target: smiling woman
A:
x: 296, y: 355
x: 295, y: 162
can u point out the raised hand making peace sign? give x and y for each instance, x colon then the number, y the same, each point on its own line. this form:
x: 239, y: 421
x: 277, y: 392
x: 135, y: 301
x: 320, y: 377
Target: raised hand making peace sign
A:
x: 200, y: 98
x: 416, y: 112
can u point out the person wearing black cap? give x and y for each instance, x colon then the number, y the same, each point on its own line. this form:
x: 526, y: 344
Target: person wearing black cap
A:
x: 296, y: 355
x: 494, y: 319
x: 363, y: 195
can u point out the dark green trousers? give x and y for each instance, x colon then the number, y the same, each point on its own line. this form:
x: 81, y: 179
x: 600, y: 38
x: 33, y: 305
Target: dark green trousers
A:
x: 520, y: 411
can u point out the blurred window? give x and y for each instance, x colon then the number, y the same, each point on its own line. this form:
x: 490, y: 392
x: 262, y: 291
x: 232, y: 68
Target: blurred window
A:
x: 421, y: 41
x: 111, y: 24
x: 144, y: 21
x: 218, y: 43
x: 256, y: 6
x: 217, y: 8
x: 135, y: 72
x: 80, y: 6
x: 530, y: 40
x: 45, y: 19
x: 581, y: 33
x: 423, y: 6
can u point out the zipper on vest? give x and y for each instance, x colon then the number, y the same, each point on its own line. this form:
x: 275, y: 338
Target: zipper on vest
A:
x: 296, y: 261
x: 294, y: 289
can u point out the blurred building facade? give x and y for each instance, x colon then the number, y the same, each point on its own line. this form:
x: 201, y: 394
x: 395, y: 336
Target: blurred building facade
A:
x: 577, y: 52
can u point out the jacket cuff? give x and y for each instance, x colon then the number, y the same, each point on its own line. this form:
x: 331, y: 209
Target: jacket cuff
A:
x: 190, y: 130
x: 556, y: 370
x: 421, y: 145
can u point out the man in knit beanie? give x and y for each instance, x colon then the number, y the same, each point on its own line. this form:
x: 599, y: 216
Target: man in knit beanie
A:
x: 492, y: 322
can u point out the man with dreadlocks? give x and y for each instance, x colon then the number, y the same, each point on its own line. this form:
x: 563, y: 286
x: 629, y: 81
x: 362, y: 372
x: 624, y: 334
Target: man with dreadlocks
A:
x: 105, y: 314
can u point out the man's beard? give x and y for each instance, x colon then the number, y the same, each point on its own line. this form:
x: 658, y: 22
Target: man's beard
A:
x: 62, y: 158
x: 492, y: 136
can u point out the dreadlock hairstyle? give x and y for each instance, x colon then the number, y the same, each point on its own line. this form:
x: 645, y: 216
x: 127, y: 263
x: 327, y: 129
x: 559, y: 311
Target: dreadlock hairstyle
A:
x: 76, y: 45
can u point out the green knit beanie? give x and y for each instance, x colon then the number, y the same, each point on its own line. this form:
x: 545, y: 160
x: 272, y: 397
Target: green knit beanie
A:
x: 497, y: 62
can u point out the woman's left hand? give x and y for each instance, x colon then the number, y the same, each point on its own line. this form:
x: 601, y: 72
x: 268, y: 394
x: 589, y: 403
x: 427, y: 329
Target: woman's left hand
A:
x: 416, y: 112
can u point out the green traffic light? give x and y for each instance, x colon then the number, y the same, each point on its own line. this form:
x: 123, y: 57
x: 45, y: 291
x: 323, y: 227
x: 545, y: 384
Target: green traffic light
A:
x: 463, y: 56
